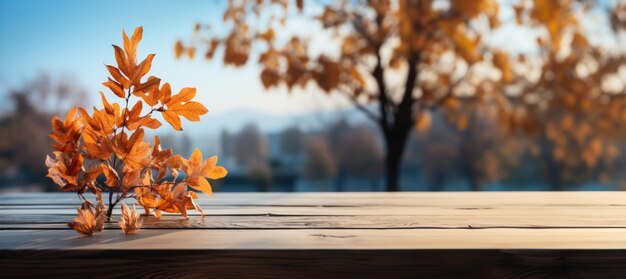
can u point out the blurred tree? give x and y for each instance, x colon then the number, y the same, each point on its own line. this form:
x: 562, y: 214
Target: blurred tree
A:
x: 24, y: 140
x: 432, y: 44
x: 560, y: 96
x: 24, y: 136
x: 320, y: 164
x: 260, y: 173
x: 291, y: 141
x: 51, y: 95
x: 251, y: 146
x: 227, y: 145
x: 333, y: 134
x: 438, y: 150
x: 485, y: 152
x: 359, y: 154
x: 251, y: 152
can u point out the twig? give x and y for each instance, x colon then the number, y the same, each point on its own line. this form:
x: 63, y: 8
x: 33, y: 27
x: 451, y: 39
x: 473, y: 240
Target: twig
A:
x: 360, y: 106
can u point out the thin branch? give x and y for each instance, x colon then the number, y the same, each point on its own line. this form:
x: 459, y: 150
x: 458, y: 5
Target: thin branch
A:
x: 450, y: 91
x: 406, y: 105
x: 110, y: 197
x: 371, y: 115
x: 383, y: 99
x: 151, y: 111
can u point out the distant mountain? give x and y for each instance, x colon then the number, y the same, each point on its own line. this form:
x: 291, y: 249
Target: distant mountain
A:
x: 234, y: 120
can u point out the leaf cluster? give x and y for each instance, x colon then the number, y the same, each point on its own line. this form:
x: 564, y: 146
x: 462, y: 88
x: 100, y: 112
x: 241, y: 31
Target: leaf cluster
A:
x: 106, y: 151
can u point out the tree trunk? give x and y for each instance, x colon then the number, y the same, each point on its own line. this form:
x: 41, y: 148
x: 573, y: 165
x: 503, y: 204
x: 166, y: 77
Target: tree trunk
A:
x: 392, y: 171
x: 395, y: 120
x: 395, y: 144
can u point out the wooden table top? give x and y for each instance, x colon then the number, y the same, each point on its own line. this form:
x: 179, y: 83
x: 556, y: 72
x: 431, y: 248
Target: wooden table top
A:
x: 570, y: 224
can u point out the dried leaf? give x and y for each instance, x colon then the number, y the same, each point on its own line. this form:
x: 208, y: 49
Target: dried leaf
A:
x: 129, y: 220
x: 87, y: 222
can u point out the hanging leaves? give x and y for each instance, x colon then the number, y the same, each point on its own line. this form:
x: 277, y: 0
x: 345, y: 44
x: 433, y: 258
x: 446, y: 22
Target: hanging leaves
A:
x: 109, y: 143
x: 417, y: 34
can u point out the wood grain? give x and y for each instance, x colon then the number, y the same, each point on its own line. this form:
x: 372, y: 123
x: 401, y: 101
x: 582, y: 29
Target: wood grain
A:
x: 505, y: 212
x: 477, y: 221
x: 412, y: 199
x: 314, y: 264
x: 316, y: 239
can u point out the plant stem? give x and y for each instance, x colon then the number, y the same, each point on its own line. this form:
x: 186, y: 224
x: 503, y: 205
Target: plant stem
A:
x: 110, y: 210
x: 112, y: 205
x: 118, y: 197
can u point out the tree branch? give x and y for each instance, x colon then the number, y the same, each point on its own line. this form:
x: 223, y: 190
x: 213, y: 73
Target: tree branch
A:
x: 450, y: 90
x: 406, y: 105
x: 383, y: 99
x: 371, y: 115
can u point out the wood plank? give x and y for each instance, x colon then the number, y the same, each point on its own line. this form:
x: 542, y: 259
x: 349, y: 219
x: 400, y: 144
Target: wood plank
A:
x: 410, y: 199
x: 530, y: 212
x: 315, y: 239
x: 312, y: 235
x: 564, y: 213
x: 43, y: 221
x: 313, y: 264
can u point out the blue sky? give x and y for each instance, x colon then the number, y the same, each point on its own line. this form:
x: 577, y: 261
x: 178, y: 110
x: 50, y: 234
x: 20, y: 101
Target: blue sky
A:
x: 74, y: 37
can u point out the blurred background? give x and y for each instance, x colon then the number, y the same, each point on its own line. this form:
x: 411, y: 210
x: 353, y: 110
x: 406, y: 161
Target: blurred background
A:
x: 428, y: 95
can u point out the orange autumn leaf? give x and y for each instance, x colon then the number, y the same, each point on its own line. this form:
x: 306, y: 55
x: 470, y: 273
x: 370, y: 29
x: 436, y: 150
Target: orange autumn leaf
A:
x: 149, y: 91
x: 131, y: 179
x: 115, y: 87
x: 178, y: 199
x: 117, y: 75
x: 181, y: 105
x: 197, y: 170
x: 147, y: 87
x: 130, y: 46
x: 111, y: 175
x: 144, y: 195
x: 160, y: 158
x: 139, y: 156
x: 122, y: 61
x: 141, y: 70
x: 64, y: 170
x: 67, y: 132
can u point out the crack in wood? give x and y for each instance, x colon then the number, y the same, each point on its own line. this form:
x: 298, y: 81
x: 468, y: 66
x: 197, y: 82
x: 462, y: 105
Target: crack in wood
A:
x: 333, y: 236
